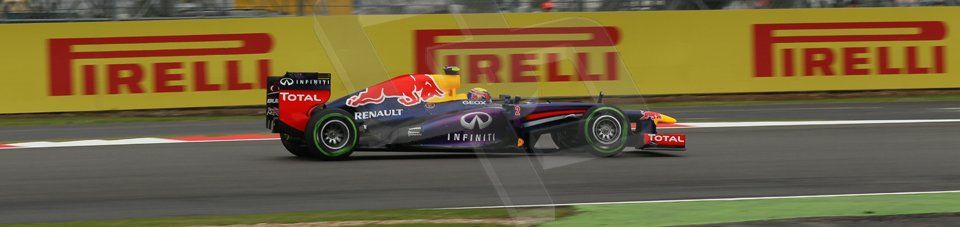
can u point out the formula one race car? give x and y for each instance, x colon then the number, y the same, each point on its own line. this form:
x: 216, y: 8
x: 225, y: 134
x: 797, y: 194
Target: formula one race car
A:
x: 424, y: 112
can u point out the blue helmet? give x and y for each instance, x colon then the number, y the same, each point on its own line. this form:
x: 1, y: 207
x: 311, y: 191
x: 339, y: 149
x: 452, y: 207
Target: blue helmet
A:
x: 479, y: 94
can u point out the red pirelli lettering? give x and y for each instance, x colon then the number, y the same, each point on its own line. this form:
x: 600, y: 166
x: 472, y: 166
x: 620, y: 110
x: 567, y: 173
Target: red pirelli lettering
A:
x: 856, y: 60
x: 516, y: 67
x: 62, y: 56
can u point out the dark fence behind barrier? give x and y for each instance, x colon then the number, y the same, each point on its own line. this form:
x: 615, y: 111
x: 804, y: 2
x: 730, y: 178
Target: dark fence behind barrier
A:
x: 99, y: 10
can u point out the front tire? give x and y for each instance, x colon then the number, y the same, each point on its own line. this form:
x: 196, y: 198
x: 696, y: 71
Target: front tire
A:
x: 331, y: 134
x: 605, y: 130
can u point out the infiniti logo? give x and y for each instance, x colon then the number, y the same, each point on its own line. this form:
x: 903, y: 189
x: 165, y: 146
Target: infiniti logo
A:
x: 286, y: 81
x: 476, y: 120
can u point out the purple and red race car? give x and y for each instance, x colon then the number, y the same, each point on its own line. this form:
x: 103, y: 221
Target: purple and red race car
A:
x: 424, y: 112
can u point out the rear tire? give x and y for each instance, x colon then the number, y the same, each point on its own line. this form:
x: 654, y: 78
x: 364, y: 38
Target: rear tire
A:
x: 331, y: 134
x: 605, y: 130
x: 295, y: 145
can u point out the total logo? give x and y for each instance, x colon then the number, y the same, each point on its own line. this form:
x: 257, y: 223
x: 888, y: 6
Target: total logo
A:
x: 474, y: 102
x: 362, y: 115
x: 476, y: 120
x: 286, y: 96
x: 660, y: 138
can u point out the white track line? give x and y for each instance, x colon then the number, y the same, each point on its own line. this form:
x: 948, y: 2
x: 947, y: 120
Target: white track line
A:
x: 703, y: 200
x: 226, y: 140
x: 136, y: 141
x: 805, y: 123
x: 86, y: 143
x: 133, y: 141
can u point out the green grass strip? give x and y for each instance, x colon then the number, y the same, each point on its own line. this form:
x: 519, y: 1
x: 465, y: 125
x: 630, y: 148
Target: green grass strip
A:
x: 711, y: 212
x: 322, y: 216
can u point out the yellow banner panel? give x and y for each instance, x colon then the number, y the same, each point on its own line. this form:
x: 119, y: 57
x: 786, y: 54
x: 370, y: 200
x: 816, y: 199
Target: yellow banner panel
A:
x: 54, y: 67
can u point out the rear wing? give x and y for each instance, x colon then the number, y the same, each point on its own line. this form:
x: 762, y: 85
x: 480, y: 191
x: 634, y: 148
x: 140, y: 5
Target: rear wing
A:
x: 292, y: 97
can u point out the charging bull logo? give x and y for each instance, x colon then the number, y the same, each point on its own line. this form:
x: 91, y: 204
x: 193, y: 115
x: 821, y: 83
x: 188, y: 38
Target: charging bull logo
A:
x: 651, y: 115
x: 408, y: 89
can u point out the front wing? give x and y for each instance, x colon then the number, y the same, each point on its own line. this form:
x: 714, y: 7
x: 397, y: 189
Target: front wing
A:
x: 664, y: 142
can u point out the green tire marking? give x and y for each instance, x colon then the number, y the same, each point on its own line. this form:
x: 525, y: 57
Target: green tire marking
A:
x: 341, y: 151
x: 623, y: 132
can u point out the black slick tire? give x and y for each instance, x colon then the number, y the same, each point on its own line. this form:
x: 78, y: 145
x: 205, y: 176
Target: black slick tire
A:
x: 295, y: 145
x: 605, y: 131
x: 331, y: 134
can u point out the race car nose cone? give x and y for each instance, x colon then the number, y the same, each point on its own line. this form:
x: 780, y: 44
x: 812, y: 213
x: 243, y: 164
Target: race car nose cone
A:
x: 666, y: 119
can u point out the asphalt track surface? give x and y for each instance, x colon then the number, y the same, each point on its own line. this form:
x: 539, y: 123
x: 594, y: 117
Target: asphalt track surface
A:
x: 110, y: 182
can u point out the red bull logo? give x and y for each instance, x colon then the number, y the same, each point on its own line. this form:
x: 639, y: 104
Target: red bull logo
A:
x: 896, y: 52
x: 534, y: 59
x: 409, y: 90
x: 651, y: 115
x: 130, y: 77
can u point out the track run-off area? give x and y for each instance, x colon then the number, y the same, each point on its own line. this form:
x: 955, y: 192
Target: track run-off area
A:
x: 172, y: 169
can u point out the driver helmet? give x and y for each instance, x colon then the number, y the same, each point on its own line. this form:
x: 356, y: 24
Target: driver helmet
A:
x: 479, y: 94
x: 451, y: 70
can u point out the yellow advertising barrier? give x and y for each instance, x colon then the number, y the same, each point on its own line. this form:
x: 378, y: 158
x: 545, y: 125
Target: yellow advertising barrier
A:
x: 57, y: 67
